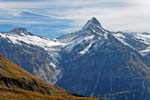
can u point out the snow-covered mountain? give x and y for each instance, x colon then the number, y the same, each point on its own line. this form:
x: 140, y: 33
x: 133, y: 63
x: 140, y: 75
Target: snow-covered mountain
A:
x: 139, y: 41
x: 92, y: 61
x: 34, y: 53
x: 97, y: 62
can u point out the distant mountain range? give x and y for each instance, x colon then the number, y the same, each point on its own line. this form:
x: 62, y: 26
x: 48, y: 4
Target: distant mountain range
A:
x: 92, y: 61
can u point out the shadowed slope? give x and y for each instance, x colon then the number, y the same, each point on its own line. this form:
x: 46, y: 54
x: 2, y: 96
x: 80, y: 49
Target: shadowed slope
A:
x: 16, y: 84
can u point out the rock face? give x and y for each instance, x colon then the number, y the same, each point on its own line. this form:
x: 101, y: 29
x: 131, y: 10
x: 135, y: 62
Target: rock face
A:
x: 92, y: 61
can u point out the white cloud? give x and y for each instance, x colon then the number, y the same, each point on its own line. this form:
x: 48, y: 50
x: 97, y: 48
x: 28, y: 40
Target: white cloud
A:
x: 134, y: 16
x: 115, y: 15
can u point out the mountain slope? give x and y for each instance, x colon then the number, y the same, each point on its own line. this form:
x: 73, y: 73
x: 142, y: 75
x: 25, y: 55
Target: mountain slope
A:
x: 92, y: 61
x: 16, y: 84
x: 140, y: 41
x: 97, y: 63
x: 34, y: 53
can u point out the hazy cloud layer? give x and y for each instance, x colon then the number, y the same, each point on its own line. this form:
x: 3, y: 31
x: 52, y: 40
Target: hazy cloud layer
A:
x: 54, y: 17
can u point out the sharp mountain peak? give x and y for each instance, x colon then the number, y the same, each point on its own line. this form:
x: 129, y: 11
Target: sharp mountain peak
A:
x: 95, y: 21
x: 92, y: 24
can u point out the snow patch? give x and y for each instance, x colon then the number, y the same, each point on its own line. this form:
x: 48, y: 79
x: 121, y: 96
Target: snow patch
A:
x: 75, y: 42
x: 145, y: 38
x: 53, y: 65
x: 86, y: 49
x: 89, y: 37
x: 119, y: 35
x: 45, y: 43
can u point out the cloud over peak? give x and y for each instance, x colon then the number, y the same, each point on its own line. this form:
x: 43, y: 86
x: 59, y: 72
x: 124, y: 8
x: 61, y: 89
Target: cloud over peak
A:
x: 68, y: 16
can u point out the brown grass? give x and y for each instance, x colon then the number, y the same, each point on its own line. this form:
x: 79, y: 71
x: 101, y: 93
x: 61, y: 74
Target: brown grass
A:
x: 8, y: 94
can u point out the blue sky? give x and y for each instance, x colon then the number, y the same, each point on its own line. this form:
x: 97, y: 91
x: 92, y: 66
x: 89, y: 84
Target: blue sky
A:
x: 52, y: 18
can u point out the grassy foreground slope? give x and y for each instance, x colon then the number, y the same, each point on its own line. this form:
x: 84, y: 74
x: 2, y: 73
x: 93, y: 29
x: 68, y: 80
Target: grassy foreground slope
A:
x: 18, y: 84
